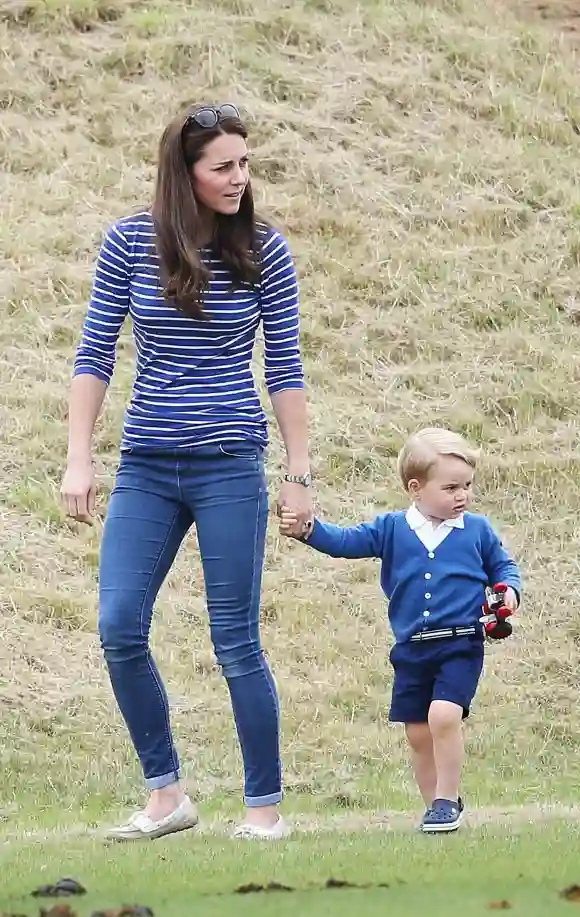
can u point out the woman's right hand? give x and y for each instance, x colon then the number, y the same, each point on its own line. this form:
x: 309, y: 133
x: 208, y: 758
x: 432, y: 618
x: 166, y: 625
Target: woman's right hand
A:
x: 79, y: 490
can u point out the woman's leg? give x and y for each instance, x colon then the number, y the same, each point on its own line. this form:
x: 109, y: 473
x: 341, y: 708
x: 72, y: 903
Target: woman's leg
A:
x: 228, y: 498
x: 144, y: 528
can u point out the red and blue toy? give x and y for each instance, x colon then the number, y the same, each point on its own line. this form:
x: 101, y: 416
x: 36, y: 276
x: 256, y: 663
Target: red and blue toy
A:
x: 496, y: 614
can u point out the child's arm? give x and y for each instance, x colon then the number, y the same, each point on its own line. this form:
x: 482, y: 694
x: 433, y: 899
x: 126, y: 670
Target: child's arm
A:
x: 499, y: 566
x: 364, y: 540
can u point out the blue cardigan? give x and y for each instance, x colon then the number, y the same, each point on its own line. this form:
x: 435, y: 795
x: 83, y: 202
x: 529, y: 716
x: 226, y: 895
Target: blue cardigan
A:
x: 426, y: 589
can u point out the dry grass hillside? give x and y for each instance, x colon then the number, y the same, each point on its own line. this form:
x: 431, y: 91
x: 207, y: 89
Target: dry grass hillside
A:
x: 423, y: 159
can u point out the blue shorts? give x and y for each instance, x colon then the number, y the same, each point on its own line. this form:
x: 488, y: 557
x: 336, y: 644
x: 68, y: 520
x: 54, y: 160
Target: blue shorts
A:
x: 447, y: 669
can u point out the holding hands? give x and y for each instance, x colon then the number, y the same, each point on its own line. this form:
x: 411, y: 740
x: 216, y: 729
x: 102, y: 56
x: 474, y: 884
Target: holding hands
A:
x: 295, y: 505
x: 291, y: 525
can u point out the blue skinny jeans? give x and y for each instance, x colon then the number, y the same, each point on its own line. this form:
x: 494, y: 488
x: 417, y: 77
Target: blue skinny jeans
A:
x: 157, y: 498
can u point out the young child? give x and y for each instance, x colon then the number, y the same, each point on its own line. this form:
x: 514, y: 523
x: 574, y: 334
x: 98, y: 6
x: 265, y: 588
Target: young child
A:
x: 437, y: 560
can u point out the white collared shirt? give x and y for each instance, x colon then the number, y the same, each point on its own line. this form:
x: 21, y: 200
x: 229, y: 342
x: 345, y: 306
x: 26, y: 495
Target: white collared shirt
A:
x: 427, y: 532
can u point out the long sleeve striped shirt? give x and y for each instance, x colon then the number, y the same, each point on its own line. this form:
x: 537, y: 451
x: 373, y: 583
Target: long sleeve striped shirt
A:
x: 194, y: 383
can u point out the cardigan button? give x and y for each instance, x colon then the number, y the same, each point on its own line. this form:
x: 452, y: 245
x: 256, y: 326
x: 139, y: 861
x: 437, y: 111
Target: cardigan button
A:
x: 431, y: 555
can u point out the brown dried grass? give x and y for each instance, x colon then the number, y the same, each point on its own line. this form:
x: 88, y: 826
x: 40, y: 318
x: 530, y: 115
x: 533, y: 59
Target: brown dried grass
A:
x: 423, y: 158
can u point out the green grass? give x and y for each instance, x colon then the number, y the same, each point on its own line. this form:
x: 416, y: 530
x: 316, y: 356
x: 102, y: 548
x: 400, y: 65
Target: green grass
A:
x: 188, y: 875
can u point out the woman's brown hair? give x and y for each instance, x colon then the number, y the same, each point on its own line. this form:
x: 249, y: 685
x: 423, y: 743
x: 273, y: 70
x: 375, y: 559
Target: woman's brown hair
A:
x: 175, y: 212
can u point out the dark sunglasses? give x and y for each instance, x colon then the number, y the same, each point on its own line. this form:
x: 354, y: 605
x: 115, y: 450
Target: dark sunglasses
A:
x: 209, y: 117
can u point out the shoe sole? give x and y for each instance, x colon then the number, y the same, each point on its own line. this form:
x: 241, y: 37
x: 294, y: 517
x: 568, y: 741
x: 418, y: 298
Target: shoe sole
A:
x: 153, y: 835
x: 262, y: 837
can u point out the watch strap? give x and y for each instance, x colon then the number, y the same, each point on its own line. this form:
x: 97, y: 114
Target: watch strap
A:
x: 304, y: 479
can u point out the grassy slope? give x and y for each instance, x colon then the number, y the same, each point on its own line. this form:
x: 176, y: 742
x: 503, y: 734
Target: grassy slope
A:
x: 422, y: 158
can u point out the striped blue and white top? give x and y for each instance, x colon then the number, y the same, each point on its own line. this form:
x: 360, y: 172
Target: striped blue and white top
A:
x: 194, y: 383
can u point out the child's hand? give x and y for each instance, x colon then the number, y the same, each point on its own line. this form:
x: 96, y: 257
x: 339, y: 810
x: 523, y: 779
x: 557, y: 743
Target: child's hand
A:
x: 510, y: 599
x: 288, y: 521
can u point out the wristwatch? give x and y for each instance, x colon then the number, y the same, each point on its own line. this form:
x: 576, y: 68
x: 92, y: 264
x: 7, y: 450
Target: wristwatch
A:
x: 304, y: 479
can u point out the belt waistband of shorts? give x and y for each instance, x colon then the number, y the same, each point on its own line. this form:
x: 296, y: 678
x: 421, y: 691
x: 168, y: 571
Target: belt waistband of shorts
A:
x: 443, y: 632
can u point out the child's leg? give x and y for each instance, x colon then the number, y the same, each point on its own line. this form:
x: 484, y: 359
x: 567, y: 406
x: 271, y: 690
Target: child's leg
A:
x: 423, y: 761
x: 460, y: 662
x: 412, y: 694
x: 445, y: 725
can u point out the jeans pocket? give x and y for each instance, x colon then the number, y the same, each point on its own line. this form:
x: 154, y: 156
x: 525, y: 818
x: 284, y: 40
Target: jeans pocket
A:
x: 238, y: 449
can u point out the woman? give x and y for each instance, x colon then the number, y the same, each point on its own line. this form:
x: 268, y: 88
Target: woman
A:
x: 196, y: 274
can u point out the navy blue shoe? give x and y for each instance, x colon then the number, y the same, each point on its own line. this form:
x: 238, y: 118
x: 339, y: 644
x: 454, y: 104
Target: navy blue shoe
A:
x: 444, y: 815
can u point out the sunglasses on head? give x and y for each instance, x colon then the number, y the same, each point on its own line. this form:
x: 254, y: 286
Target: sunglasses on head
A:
x: 209, y: 117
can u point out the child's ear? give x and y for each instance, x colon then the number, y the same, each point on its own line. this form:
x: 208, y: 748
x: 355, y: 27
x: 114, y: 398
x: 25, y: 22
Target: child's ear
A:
x: 414, y: 487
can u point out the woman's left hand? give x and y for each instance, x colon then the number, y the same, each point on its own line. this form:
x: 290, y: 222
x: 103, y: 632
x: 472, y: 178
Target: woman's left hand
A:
x: 298, y: 499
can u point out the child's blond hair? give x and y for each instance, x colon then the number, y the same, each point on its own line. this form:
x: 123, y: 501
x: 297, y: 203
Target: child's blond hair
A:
x: 422, y: 450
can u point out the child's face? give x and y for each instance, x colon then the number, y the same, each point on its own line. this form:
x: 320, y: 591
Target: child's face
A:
x: 446, y: 493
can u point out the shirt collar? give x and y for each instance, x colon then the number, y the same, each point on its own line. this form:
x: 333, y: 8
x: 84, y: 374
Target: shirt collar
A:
x: 416, y: 520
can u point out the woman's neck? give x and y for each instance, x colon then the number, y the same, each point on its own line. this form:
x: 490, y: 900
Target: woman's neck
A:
x: 206, y: 227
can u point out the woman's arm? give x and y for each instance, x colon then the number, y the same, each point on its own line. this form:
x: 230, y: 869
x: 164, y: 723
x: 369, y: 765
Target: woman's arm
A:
x: 94, y: 364
x: 87, y: 393
x: 290, y: 410
x: 108, y: 308
x: 284, y: 371
x: 78, y: 489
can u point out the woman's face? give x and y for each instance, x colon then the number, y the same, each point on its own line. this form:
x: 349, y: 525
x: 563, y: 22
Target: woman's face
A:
x: 221, y: 175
